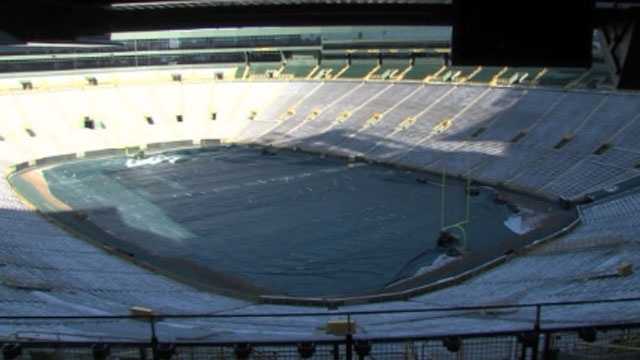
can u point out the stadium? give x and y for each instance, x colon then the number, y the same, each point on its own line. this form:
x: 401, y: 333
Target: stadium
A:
x: 220, y: 179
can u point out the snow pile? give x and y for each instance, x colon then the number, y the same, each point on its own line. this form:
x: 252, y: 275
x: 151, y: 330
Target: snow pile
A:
x: 153, y: 160
x: 524, y: 221
x: 438, y: 263
x: 516, y: 224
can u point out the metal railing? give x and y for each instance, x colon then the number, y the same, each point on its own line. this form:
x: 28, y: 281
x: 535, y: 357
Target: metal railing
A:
x: 534, y: 340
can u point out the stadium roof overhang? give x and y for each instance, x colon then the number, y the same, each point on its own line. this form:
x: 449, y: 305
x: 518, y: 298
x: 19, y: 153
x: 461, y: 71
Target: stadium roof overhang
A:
x: 65, y: 20
x: 68, y: 20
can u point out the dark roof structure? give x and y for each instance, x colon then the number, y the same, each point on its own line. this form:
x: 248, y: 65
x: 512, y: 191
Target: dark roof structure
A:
x: 47, y: 20
x: 556, y: 33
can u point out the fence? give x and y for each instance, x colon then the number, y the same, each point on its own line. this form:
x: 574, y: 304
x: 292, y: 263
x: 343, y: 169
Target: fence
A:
x: 532, y: 340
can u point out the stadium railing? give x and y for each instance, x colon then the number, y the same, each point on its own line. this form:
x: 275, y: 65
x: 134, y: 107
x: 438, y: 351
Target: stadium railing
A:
x: 532, y: 340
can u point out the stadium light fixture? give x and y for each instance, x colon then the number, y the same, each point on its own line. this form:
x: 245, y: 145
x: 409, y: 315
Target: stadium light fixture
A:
x: 362, y: 348
x: 11, y: 351
x: 100, y: 351
x: 165, y: 351
x: 528, y: 339
x: 452, y: 343
x: 306, y: 350
x: 588, y: 334
x: 242, y: 351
